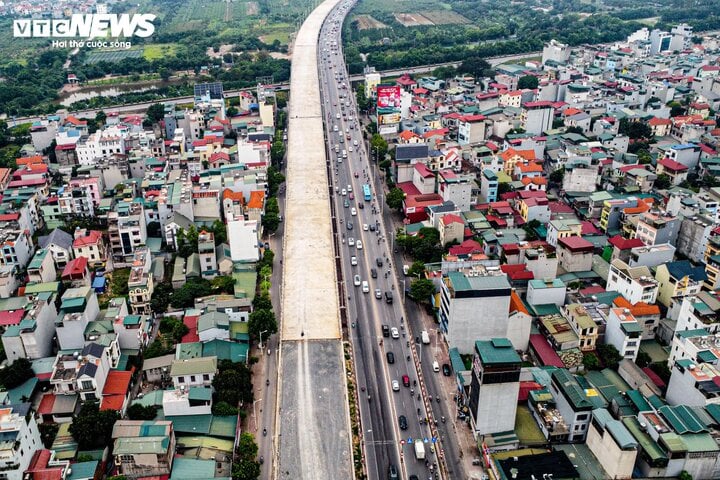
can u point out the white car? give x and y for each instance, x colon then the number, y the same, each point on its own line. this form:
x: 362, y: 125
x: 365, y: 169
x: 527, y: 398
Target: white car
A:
x: 356, y: 280
x: 343, y: 192
x: 353, y: 261
x: 365, y: 227
x: 394, y: 332
x: 378, y: 293
x: 355, y: 142
x: 349, y: 189
x: 359, y: 244
x: 353, y: 211
x: 350, y: 149
x: 395, y: 386
x: 351, y: 241
x: 365, y: 287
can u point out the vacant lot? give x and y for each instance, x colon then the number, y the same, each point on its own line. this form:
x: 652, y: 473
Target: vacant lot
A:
x: 197, y: 15
x: 252, y: 8
x: 367, y: 22
x: 96, y: 56
x: 159, y: 50
x: 444, y: 17
x: 411, y: 19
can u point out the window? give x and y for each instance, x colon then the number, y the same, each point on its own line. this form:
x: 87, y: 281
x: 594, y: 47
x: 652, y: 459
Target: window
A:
x: 206, y: 377
x: 181, y: 379
x: 192, y: 378
x: 584, y: 416
x: 87, y: 385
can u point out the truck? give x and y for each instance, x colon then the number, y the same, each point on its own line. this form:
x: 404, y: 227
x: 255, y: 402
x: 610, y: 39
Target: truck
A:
x: 406, y: 269
x: 419, y: 449
x: 425, y: 337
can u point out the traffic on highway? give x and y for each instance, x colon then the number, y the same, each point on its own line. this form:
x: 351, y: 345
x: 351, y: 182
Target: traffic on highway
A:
x: 396, y: 436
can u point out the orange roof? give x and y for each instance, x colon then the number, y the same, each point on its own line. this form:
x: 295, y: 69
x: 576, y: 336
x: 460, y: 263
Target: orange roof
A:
x: 643, y: 206
x: 408, y: 134
x: 511, y: 152
x: 29, y: 160
x: 659, y: 121
x: 640, y: 309
x: 531, y: 167
x: 112, y: 402
x: 257, y: 198
x: 117, y: 383
x: 516, y: 305
x: 234, y: 196
x: 568, y: 112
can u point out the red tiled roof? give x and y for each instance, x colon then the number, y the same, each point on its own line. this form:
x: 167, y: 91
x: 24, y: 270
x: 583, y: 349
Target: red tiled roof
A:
x: 576, y: 243
x: 14, y: 317
x: 46, y: 404
x: 625, y: 243
x: 659, y: 121
x: 408, y: 188
x: 75, y: 267
x: 560, y: 207
x: 91, y: 238
x: 191, y: 322
x: 452, y: 218
x: 544, y: 351
x: 640, y: 309
x: 672, y: 165
x: 589, y: 229
x: 112, y: 402
x: 257, y: 199
x: 465, y: 248
x: 117, y: 382
x: 423, y: 170
x: 235, y: 196
x: 472, y: 118
x: 654, y: 377
x: 526, y: 388
x: 592, y: 290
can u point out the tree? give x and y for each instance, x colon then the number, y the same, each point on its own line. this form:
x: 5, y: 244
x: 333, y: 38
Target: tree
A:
x: 591, y: 362
x: 504, y: 187
x: 232, y: 111
x: 157, y: 349
x: 528, y: 82
x: 558, y: 175
x: 684, y: 475
x: 262, y: 302
x: 643, y: 359
x: 395, y: 198
x: 17, y: 373
x: 635, y: 129
x: 161, y: 297
x: 676, y: 109
x: 416, y: 269
x: 223, y: 284
x: 164, y: 74
x: 153, y: 229
x: 138, y: 411
x: 609, y: 355
x: 262, y: 321
x: 363, y: 103
x: 92, y: 428
x: 662, y: 182
x: 155, y: 112
x: 270, y: 222
x: 233, y: 383
x: 100, y: 118
x: 247, y: 448
x: 184, y: 297
x: 246, y: 467
x: 421, y: 289
x: 224, y: 408
x: 119, y: 282
x: 187, y: 241
x: 644, y: 157
x: 475, y: 66
x: 378, y: 146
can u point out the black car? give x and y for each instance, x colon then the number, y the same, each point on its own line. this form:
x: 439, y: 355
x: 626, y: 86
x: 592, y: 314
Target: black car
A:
x: 390, y: 357
x: 446, y: 369
x: 349, y: 225
x: 393, y: 473
x: 372, y: 226
x: 379, y: 262
x: 402, y: 421
x: 386, y: 331
x: 373, y: 273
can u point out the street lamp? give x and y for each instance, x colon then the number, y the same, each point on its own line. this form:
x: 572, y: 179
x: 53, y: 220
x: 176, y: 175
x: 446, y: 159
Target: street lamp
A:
x: 261, y: 334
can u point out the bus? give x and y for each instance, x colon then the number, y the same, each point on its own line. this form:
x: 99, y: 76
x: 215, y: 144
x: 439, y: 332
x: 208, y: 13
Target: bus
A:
x: 366, y: 192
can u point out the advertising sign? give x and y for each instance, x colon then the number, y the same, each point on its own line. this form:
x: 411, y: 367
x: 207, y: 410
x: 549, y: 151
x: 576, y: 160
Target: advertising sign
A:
x: 388, y: 118
x: 388, y: 99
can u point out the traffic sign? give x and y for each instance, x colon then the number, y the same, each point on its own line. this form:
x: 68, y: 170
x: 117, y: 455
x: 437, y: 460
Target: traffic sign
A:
x: 434, y: 439
x: 410, y: 440
x: 402, y: 442
x: 425, y: 440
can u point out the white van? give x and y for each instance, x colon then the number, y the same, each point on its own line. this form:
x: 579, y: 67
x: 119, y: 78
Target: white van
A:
x: 436, y: 367
x: 365, y: 287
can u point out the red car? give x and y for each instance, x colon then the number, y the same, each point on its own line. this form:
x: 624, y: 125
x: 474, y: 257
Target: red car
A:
x: 352, y: 197
x: 406, y: 380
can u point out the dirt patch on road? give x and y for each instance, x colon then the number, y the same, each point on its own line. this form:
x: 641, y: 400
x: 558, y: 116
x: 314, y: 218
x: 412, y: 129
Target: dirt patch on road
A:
x: 412, y: 19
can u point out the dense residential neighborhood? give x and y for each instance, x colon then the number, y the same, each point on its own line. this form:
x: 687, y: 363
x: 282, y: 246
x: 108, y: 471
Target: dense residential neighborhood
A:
x: 558, y: 223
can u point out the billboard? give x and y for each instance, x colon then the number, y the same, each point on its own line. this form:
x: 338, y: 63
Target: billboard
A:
x: 388, y: 99
x: 388, y: 118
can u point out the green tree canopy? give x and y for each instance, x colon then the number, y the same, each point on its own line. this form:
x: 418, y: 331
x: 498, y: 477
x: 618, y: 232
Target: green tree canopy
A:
x: 476, y: 66
x: 262, y: 321
x: 528, y: 82
x: 17, y: 373
x: 92, y: 428
x: 416, y: 269
x: 609, y: 355
x: 155, y: 112
x: 395, y: 198
x: 421, y: 290
x: 233, y: 383
x: 137, y: 411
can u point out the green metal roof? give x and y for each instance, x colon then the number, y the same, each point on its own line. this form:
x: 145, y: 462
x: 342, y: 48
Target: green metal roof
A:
x: 682, y: 419
x: 698, y: 332
x: 83, y: 470
x: 224, y: 426
x: 192, y: 469
x: 707, y: 356
x: 545, y: 309
x: 497, y: 351
x: 193, y: 366
x: 714, y: 410
x: 42, y: 287
x: 621, y: 435
x: 144, y: 444
x: 649, y: 446
x: 638, y: 401
x: 188, y: 350
x: 569, y: 385
x: 700, y: 442
x: 199, y: 393
x: 192, y: 424
x: 224, y: 350
x: 673, y: 443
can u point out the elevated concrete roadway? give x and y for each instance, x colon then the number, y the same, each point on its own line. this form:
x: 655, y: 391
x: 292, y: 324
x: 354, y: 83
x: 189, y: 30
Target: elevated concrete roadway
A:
x: 313, y: 436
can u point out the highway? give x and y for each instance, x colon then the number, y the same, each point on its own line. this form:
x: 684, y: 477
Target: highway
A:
x: 380, y: 405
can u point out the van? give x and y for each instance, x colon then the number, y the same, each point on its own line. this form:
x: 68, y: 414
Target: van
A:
x: 436, y: 367
x: 388, y: 297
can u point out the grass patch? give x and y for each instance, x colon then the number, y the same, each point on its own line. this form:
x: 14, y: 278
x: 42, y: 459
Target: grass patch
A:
x: 159, y: 50
x: 526, y: 428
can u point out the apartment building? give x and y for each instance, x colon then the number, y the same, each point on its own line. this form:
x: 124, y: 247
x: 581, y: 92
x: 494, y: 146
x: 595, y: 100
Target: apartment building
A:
x: 636, y: 284
x: 624, y: 332
x: 126, y: 229
x: 140, y: 282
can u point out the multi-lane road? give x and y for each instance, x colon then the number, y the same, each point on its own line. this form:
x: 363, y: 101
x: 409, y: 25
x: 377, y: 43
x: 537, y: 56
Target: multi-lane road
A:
x: 367, y: 269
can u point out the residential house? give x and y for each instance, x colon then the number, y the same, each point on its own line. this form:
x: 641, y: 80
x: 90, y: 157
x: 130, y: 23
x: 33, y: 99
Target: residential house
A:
x: 126, y: 229
x: 636, y: 284
x: 143, y: 449
x: 676, y: 171
x: 624, y: 332
x: 562, y: 228
x: 692, y: 382
x: 623, y: 247
x: 41, y: 268
x: 89, y: 244
x: 29, y: 330
x: 44, y: 466
x: 612, y: 444
x: 21, y: 439
x: 700, y: 311
x: 471, y: 129
x: 193, y: 372
x: 132, y: 331
x: 140, y: 282
x: 572, y: 402
x: 693, y: 236
x: 650, y: 256
x: 84, y: 372
x: 452, y: 229
x: 655, y: 228
x: 243, y: 237
x: 546, y: 291
x: 677, y: 280
x: 76, y: 273
x: 489, y: 185
x: 78, y: 307
x: 575, y: 254
x: 116, y: 392
x: 60, y: 245
x: 17, y: 247
x: 191, y: 401
x: 495, y: 386
x: 582, y: 324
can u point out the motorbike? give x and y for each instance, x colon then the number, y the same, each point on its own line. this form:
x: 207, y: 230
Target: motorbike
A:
x: 261, y: 460
x: 267, y: 382
x: 408, y: 358
x: 264, y: 432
